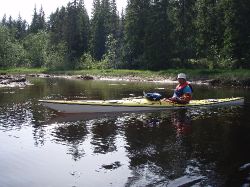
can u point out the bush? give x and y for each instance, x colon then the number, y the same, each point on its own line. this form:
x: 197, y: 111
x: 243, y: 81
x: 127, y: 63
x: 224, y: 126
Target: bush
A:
x: 86, y: 62
x: 56, y: 57
x: 36, y: 46
x: 12, y: 53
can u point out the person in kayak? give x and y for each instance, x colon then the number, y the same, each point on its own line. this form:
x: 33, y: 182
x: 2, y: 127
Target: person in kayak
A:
x: 183, y: 91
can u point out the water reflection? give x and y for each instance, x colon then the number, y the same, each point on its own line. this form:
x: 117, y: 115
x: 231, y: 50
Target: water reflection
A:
x: 104, y: 136
x: 15, y: 116
x: 160, y: 144
x: 199, y: 147
x: 72, y: 135
x: 154, y: 149
x: 181, y: 121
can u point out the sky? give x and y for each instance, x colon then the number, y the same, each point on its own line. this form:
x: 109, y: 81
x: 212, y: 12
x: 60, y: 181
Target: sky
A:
x: 26, y: 7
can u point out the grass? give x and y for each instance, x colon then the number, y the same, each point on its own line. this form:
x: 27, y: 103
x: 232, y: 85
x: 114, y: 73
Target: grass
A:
x: 22, y: 70
x: 192, y: 73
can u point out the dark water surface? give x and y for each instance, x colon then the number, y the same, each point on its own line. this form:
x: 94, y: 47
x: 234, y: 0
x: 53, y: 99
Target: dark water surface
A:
x: 192, y: 147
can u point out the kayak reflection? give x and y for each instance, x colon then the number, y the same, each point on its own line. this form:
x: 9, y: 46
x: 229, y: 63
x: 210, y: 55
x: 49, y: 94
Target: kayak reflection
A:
x: 62, y: 118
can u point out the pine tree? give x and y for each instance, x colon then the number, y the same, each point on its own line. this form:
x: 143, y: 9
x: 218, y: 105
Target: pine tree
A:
x: 41, y: 19
x: 209, y: 28
x: 76, y: 30
x: 182, y: 15
x: 4, y: 20
x: 158, y: 44
x: 121, y: 30
x: 97, y: 31
x: 104, y: 22
x: 56, y: 26
x: 120, y: 40
x: 236, y: 36
x: 10, y: 22
x: 135, y: 30
x: 114, y: 20
x: 21, y: 28
x: 38, y: 21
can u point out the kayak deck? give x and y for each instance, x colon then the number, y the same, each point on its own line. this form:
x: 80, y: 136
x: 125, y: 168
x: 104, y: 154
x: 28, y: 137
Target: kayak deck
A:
x: 130, y: 104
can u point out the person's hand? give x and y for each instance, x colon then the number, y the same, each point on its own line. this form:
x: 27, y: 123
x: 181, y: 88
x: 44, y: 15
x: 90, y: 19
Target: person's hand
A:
x: 166, y: 99
x: 174, y: 99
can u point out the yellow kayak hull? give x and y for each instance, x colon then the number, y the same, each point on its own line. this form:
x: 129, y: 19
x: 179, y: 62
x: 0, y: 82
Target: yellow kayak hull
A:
x: 130, y: 105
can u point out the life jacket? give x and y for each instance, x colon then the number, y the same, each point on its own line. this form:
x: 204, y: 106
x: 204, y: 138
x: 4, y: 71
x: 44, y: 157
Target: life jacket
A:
x: 179, y: 91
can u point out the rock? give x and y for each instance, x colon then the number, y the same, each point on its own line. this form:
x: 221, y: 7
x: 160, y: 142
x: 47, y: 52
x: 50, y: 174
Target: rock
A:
x: 246, y: 82
x: 33, y: 75
x: 186, y: 181
x: 43, y: 75
x: 11, y: 81
x: 114, y: 165
x: 245, y: 167
x: 214, y: 82
x: 4, y: 77
x: 85, y: 77
x: 19, y: 79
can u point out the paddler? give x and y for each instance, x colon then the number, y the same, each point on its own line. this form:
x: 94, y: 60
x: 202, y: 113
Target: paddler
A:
x: 183, y: 91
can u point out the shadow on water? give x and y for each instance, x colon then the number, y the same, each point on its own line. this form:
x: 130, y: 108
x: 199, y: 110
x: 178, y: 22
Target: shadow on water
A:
x: 186, y: 147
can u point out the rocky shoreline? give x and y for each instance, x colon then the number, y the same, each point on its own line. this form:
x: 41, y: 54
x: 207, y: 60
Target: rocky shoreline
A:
x: 21, y: 80
x: 13, y: 81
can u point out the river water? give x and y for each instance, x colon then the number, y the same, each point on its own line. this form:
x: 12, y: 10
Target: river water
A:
x: 191, y: 147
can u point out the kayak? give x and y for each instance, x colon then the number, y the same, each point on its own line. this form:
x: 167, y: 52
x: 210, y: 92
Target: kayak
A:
x: 131, y: 105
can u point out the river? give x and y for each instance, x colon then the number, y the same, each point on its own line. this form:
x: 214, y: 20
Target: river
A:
x: 190, y: 147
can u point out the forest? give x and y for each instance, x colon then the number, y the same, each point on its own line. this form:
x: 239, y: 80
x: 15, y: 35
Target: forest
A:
x: 147, y: 35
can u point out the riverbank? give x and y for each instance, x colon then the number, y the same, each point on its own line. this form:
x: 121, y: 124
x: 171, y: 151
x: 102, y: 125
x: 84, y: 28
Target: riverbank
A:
x: 235, y: 78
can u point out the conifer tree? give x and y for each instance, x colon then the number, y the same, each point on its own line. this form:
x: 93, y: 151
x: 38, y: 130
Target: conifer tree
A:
x: 158, y: 44
x: 38, y: 21
x: 236, y: 35
x: 76, y: 30
x: 56, y: 26
x: 21, y: 26
x: 209, y: 28
x: 135, y: 30
x: 104, y: 22
x: 4, y: 20
x: 97, y: 42
x: 182, y: 16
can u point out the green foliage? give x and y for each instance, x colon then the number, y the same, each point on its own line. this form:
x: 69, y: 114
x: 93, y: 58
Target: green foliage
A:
x: 11, y: 52
x: 76, y: 30
x: 158, y: 44
x: 38, y: 21
x: 21, y: 28
x: 86, y: 62
x: 105, y: 22
x: 135, y: 29
x: 56, y: 57
x: 110, y: 58
x: 236, y: 35
x: 182, y: 14
x: 36, y: 46
x: 56, y: 26
x: 153, y: 35
x: 71, y: 26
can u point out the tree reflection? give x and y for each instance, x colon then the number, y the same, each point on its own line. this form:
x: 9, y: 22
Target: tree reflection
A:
x: 154, y: 148
x: 71, y: 134
x: 103, y: 139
